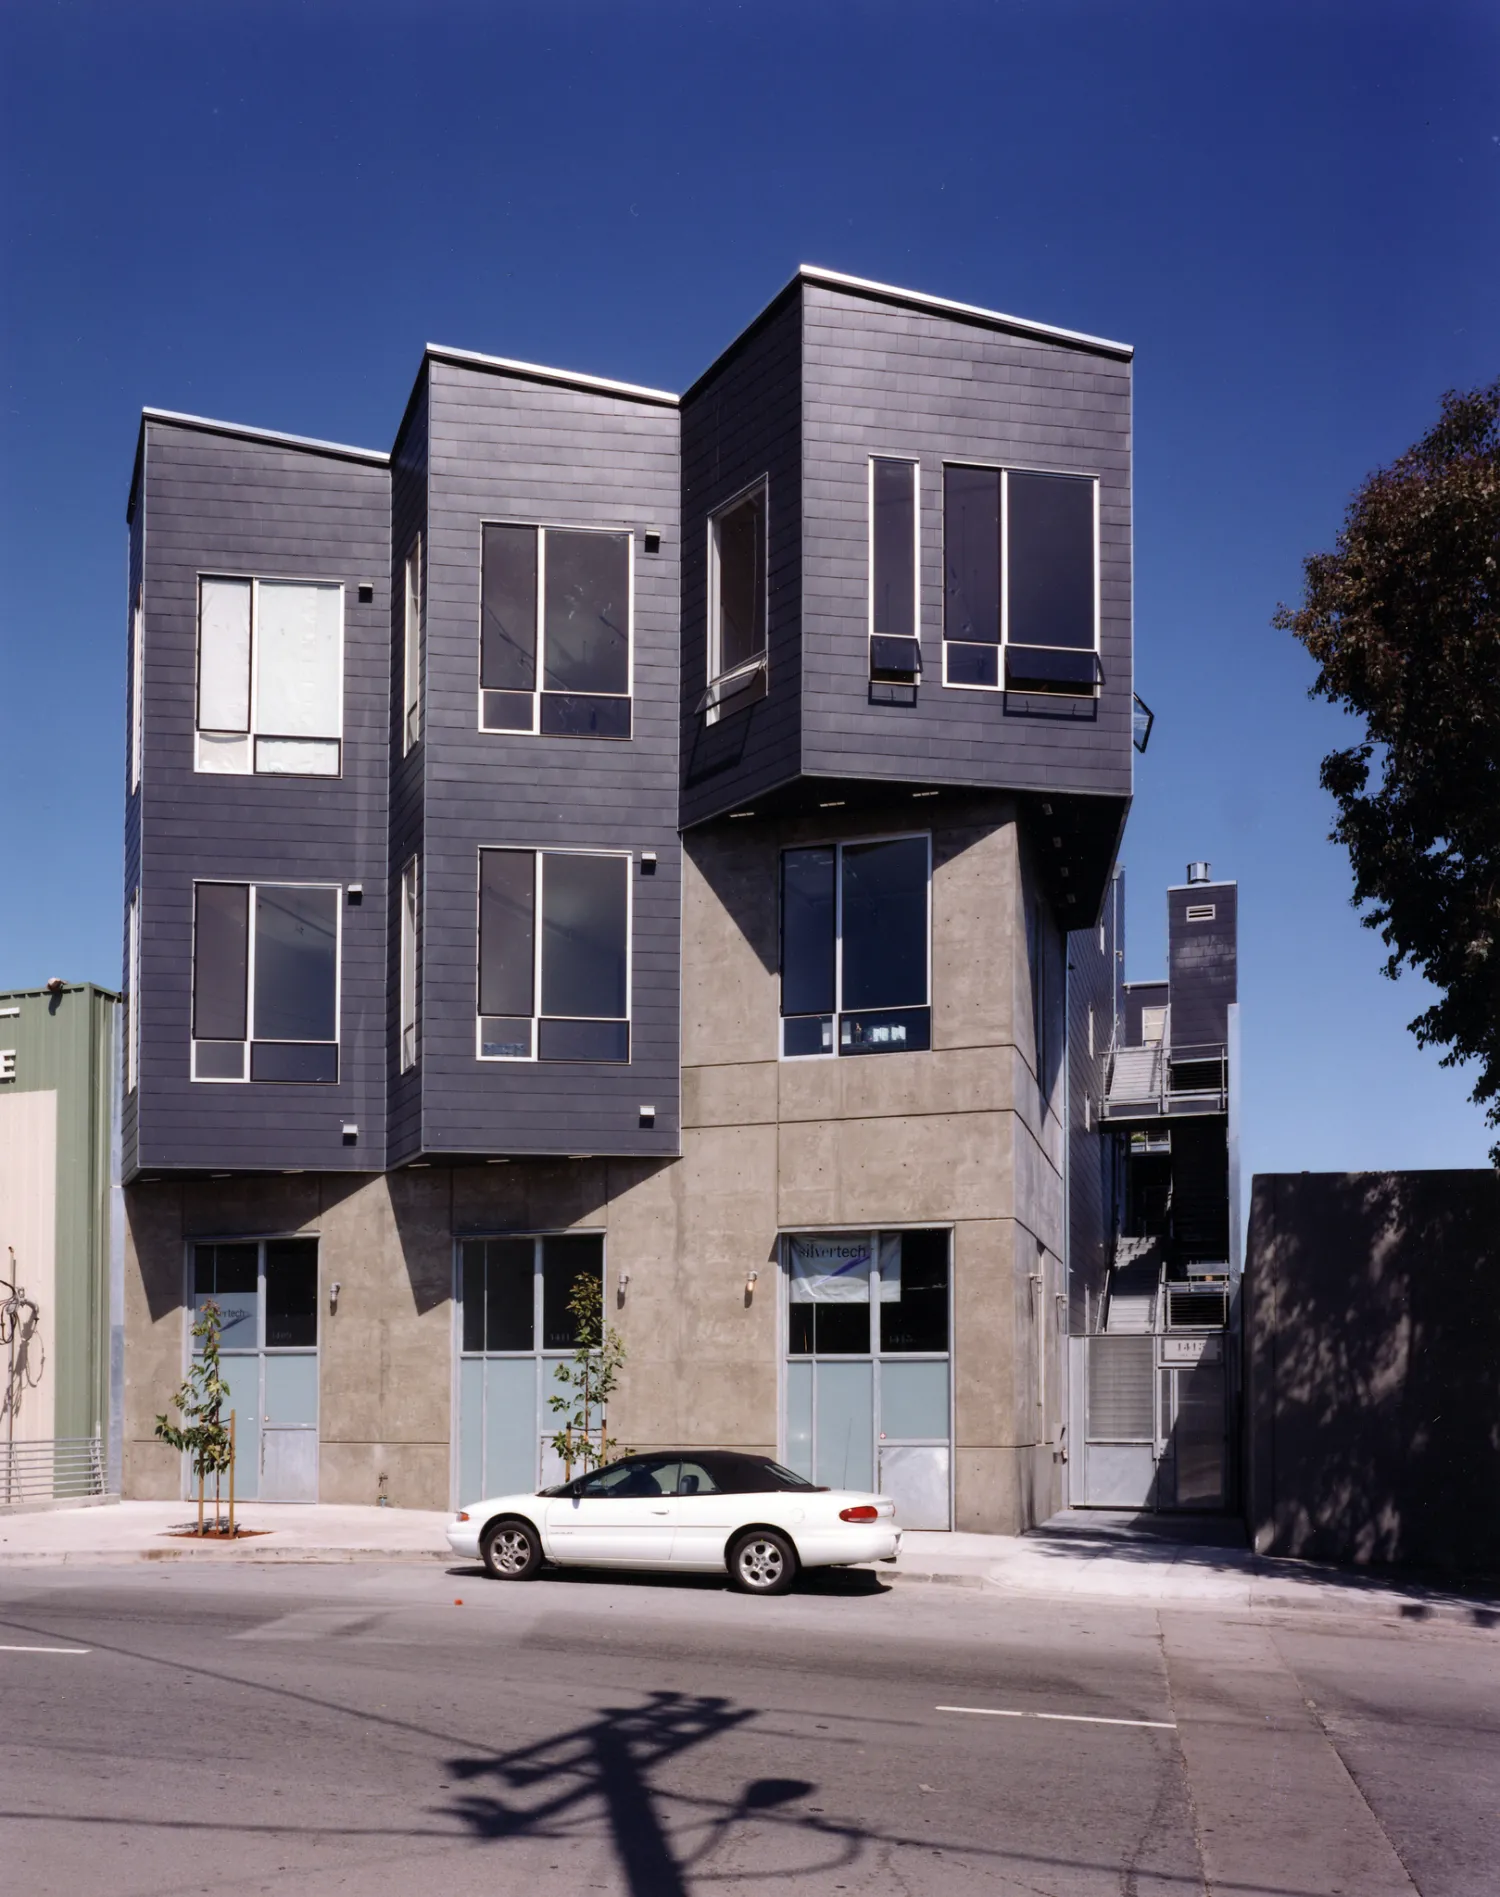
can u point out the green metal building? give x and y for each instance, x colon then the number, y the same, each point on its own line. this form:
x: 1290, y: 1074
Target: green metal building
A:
x: 58, y: 1133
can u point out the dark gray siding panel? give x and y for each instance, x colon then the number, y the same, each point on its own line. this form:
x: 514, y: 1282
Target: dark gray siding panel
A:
x: 502, y: 447
x: 1203, y: 963
x: 408, y: 521
x: 886, y: 380
x: 217, y: 503
x: 745, y: 421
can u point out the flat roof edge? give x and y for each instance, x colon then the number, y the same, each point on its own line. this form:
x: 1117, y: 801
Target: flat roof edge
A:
x: 541, y: 372
x: 942, y: 305
x: 206, y: 424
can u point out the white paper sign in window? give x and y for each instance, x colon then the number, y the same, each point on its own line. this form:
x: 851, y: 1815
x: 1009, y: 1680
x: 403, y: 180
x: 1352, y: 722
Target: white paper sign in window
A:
x: 836, y: 1270
x: 270, y: 677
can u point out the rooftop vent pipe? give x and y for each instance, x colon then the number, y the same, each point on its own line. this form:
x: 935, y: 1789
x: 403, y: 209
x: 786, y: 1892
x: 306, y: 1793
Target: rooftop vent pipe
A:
x: 1198, y: 872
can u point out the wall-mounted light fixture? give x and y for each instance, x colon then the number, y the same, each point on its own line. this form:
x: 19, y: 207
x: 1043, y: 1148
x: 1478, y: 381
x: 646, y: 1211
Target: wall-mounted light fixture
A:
x: 333, y: 1297
x: 351, y: 1133
x: 648, y: 1116
x: 752, y: 1278
x: 355, y: 894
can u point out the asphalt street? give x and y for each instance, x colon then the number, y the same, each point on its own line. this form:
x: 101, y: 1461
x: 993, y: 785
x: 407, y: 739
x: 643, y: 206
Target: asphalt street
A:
x: 343, y: 1728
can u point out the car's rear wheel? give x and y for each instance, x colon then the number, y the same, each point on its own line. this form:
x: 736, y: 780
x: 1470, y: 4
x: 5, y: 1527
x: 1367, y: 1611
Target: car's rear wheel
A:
x: 512, y: 1550
x: 763, y: 1562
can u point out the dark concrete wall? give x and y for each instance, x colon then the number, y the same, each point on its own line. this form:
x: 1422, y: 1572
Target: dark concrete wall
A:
x: 1372, y: 1366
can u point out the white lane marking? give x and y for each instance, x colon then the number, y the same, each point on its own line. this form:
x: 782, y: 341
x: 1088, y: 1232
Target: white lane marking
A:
x: 46, y: 1649
x: 1076, y: 1719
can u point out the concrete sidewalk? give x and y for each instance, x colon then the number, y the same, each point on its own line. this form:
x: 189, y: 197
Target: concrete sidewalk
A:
x: 1074, y: 1559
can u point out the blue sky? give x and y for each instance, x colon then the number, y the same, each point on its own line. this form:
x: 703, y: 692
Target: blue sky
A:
x: 262, y: 211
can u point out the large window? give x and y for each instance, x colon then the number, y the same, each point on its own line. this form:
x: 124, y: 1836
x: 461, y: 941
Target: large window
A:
x: 411, y: 648
x: 737, y: 604
x: 515, y: 1331
x: 409, y: 923
x: 555, y: 633
x: 1020, y: 581
x: 554, y: 955
x: 137, y: 682
x: 270, y: 677
x: 265, y: 982
x: 854, y: 948
x: 133, y: 994
x: 895, y: 650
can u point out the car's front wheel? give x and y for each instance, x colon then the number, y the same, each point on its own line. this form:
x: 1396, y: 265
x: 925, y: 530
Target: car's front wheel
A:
x: 512, y: 1550
x: 762, y: 1562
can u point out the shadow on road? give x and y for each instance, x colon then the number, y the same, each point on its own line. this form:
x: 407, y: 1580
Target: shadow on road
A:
x: 848, y: 1583
x: 541, y: 1789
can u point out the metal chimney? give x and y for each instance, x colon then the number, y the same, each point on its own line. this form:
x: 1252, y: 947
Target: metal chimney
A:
x: 1199, y: 872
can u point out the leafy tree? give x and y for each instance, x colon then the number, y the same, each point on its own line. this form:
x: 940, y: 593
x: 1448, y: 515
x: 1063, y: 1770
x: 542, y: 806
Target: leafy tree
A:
x: 588, y: 1381
x: 1403, y: 618
x: 203, y: 1434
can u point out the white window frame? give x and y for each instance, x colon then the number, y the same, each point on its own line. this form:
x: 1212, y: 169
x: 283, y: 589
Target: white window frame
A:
x: 411, y: 649
x: 723, y: 685
x: 838, y: 845
x: 137, y: 682
x: 538, y: 851
x: 133, y: 994
x: 252, y: 735
x: 243, y: 1079
x: 410, y: 928
x: 914, y: 463
x: 1005, y: 470
x: 541, y: 528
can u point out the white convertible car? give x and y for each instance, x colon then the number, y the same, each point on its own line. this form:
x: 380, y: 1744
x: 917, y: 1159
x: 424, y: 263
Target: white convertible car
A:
x: 707, y: 1510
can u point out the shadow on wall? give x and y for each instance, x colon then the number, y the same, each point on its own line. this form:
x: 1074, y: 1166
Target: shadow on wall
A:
x: 1372, y: 1363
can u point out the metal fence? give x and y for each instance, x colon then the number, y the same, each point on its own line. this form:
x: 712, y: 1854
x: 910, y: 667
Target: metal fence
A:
x: 54, y: 1469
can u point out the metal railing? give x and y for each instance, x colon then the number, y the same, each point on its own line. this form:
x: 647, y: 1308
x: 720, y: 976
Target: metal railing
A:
x: 1159, y: 1079
x: 51, y: 1469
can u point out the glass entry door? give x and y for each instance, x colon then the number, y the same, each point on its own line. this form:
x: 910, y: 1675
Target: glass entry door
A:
x: 267, y: 1294
x: 868, y: 1366
x: 515, y: 1329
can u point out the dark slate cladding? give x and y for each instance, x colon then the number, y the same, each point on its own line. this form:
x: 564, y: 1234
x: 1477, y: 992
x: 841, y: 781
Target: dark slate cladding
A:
x: 408, y: 520
x: 742, y: 420
x: 216, y: 502
x: 882, y: 379
x: 1202, y: 963
x: 1094, y: 1000
x: 505, y: 446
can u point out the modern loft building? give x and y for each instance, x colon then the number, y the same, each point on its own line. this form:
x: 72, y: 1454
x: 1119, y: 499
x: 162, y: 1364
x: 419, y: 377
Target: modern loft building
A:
x: 635, y: 834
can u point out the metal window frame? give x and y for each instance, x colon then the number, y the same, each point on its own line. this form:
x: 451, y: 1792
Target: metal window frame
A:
x: 411, y: 645
x: 244, y: 1080
x: 261, y: 1349
x: 758, y: 662
x: 1005, y: 469
x: 837, y: 845
x: 538, y: 851
x: 914, y: 462
x: 874, y: 1356
x: 408, y: 999
x: 252, y: 734
x: 537, y: 1354
x: 137, y: 683
x: 541, y: 529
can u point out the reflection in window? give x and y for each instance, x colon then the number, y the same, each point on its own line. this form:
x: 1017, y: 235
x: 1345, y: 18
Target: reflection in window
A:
x: 282, y: 1024
x: 558, y: 991
x: 555, y: 619
x: 1020, y: 580
x: 737, y: 605
x: 854, y: 948
x: 851, y: 1294
x: 516, y: 1291
x: 266, y: 1292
